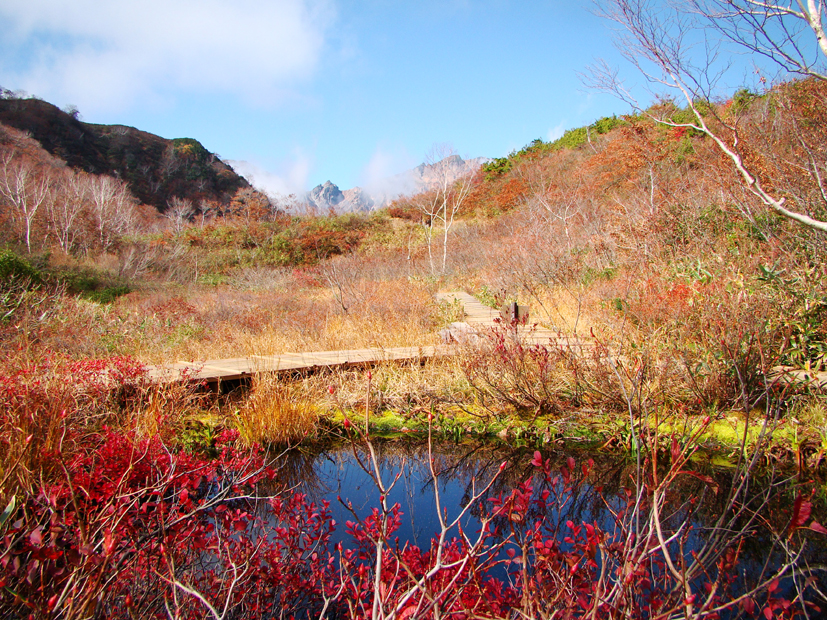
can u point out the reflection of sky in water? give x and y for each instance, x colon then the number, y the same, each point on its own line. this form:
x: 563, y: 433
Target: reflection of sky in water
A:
x: 338, y: 473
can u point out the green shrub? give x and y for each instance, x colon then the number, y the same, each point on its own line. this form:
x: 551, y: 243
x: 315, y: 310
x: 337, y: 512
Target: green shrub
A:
x: 14, y: 269
x: 89, y: 284
x: 107, y: 294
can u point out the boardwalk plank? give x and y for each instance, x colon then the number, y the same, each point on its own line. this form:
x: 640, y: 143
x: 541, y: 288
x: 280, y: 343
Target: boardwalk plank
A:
x: 478, y: 317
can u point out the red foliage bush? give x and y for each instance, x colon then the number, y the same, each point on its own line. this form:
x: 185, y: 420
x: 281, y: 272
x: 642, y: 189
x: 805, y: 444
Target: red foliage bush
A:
x: 135, y: 529
x: 134, y: 526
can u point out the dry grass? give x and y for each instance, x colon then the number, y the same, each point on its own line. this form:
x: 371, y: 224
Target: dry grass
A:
x: 406, y: 388
x: 198, y: 323
x: 35, y: 406
x: 163, y: 409
x: 571, y: 311
x: 276, y: 413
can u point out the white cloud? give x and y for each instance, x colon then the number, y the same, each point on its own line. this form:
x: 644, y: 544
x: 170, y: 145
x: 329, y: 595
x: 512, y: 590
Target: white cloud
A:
x: 585, y: 104
x: 386, y: 173
x: 289, y: 178
x: 105, y: 55
x: 556, y: 132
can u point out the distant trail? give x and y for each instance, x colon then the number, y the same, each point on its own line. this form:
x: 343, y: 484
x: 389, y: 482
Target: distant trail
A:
x: 478, y: 316
x: 478, y: 319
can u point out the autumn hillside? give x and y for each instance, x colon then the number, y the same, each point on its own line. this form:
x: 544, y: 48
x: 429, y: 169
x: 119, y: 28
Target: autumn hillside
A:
x: 155, y: 169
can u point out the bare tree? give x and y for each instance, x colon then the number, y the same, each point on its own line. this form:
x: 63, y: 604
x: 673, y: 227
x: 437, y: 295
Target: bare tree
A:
x: 450, y: 180
x: 657, y: 40
x: 24, y: 189
x: 250, y: 205
x: 557, y: 195
x: 65, y: 209
x: 114, y: 209
x: 180, y: 212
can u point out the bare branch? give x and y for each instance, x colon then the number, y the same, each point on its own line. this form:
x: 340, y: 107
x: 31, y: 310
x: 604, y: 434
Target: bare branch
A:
x: 655, y: 36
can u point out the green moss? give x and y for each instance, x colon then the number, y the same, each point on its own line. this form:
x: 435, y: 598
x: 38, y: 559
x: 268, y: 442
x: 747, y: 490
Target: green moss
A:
x: 730, y: 432
x: 388, y: 421
x: 719, y: 460
x: 198, y: 435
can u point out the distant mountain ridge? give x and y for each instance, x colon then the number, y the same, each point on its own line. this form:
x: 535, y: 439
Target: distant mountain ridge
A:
x: 328, y: 195
x: 157, y: 169
x: 154, y: 168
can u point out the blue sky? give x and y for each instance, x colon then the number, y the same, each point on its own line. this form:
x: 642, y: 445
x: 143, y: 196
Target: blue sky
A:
x: 310, y: 90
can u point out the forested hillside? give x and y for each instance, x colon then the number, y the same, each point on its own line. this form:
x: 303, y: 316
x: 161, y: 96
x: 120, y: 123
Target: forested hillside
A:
x: 155, y: 169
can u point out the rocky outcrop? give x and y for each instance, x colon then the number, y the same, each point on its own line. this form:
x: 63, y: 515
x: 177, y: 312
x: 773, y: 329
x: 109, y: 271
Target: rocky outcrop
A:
x: 357, y: 199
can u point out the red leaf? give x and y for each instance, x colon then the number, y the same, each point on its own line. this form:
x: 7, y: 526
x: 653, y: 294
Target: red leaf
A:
x: 34, y: 565
x: 409, y: 611
x: 817, y: 527
x: 36, y: 537
x: 570, y: 462
x: 802, y: 509
x: 768, y: 613
x: 702, y: 478
x: 108, y: 542
x: 537, y: 461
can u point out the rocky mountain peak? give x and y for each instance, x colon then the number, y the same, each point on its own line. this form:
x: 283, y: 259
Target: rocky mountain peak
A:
x: 325, y: 196
x: 381, y: 193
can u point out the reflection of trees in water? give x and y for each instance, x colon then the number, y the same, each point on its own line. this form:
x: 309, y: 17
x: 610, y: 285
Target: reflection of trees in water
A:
x: 298, y: 469
x: 471, y: 465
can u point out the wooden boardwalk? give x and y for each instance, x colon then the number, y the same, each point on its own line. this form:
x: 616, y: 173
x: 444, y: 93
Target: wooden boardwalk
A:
x: 213, y: 371
x: 799, y: 377
x: 478, y: 318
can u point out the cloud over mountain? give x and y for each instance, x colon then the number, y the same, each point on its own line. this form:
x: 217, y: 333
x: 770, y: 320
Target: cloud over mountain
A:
x: 383, y: 191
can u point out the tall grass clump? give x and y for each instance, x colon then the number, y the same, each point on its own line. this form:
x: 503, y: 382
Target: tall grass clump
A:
x: 275, y: 413
x: 33, y: 406
x: 47, y: 408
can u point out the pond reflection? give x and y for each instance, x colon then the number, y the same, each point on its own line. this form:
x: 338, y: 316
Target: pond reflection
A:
x: 342, y: 476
